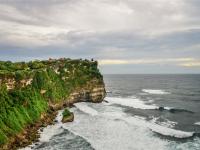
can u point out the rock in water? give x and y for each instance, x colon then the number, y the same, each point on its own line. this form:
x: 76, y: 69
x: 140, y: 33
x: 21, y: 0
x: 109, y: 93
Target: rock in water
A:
x: 67, y: 116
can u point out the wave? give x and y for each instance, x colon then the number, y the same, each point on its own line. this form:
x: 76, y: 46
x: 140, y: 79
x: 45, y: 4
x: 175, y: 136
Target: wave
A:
x: 154, y: 91
x: 162, y: 130
x: 139, y: 104
x: 130, y: 102
x: 167, y: 123
x: 197, y: 123
x: 85, y: 108
x: 174, y: 110
x: 109, y: 119
x: 110, y: 132
x: 51, y: 130
x: 48, y: 132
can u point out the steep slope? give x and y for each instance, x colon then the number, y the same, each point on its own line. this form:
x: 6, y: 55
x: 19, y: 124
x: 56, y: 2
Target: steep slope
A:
x: 31, y: 92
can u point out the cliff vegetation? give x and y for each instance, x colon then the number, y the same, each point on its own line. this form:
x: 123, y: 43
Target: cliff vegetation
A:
x: 29, y: 90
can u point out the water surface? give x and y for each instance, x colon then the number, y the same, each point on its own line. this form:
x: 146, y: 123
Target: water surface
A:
x: 140, y: 112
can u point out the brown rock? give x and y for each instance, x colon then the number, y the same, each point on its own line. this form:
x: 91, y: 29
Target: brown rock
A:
x: 68, y: 118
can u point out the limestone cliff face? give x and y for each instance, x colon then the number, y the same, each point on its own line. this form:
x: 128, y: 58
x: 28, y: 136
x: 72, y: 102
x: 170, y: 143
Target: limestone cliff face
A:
x: 91, y: 92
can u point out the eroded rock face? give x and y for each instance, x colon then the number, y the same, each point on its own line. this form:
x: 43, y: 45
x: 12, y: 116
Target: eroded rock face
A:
x: 94, y: 92
x: 98, y: 94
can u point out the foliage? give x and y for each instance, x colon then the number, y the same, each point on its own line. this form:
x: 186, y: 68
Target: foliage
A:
x: 25, y: 104
x: 66, y: 113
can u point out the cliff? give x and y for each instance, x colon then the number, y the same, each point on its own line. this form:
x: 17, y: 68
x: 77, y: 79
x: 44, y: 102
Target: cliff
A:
x: 31, y: 92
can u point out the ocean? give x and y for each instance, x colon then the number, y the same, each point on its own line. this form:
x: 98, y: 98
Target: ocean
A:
x: 140, y: 112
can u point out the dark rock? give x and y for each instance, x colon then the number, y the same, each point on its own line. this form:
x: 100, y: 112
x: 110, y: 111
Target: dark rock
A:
x: 161, y: 108
x: 106, y: 101
x: 69, y: 118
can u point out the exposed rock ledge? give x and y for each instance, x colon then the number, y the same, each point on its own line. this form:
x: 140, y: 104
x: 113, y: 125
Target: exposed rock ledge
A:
x: 93, y: 92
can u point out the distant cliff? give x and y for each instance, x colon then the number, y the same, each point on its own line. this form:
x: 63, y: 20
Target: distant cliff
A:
x: 31, y: 92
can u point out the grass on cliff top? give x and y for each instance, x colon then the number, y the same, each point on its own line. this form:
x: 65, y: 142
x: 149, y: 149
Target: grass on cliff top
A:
x: 36, y: 64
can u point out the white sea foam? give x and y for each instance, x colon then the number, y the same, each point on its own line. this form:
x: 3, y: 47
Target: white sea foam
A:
x: 59, y: 116
x: 163, y: 130
x: 131, y: 102
x: 107, y: 131
x: 169, y: 131
x: 168, y: 108
x: 113, y: 112
x: 187, y: 145
x: 48, y: 132
x: 155, y: 91
x: 52, y: 130
x: 197, y: 123
x: 166, y: 122
x: 85, y: 108
x: 113, y: 129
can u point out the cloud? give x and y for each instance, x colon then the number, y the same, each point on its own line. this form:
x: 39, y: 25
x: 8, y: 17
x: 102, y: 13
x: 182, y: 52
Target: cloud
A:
x: 114, y: 32
x: 195, y: 63
x: 159, y: 61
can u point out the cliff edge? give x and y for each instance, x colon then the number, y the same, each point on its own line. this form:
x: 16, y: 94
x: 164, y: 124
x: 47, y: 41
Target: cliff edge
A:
x: 30, y: 94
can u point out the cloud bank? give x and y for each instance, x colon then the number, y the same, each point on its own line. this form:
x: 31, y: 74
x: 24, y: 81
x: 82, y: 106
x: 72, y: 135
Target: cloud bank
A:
x: 133, y: 33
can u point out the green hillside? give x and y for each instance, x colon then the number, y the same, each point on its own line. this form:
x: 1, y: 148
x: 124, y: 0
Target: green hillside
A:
x: 27, y: 88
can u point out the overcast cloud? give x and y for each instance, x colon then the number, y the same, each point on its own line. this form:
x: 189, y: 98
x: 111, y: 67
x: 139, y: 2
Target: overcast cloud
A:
x: 126, y: 36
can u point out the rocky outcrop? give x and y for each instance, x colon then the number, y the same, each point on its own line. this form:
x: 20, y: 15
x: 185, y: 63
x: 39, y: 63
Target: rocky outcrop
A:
x: 97, y: 94
x: 69, y: 118
x: 92, y: 92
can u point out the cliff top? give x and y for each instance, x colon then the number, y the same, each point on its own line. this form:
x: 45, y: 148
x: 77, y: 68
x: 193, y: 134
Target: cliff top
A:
x: 10, y: 69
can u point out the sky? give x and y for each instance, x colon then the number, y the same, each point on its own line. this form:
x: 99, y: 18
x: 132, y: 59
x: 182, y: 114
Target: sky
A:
x: 125, y: 36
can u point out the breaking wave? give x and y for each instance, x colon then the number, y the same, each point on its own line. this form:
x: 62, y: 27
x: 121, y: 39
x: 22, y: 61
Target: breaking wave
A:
x: 197, y: 123
x: 109, y: 122
x: 174, y: 110
x: 85, y: 108
x: 130, y: 102
x: 139, y: 104
x: 154, y: 91
x: 162, y: 129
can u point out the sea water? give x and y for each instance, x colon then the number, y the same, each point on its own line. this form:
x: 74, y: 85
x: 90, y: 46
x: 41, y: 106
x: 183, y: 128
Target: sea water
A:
x: 140, y: 112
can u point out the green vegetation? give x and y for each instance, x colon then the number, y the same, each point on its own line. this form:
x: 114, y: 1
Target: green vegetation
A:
x: 66, y: 113
x: 22, y: 103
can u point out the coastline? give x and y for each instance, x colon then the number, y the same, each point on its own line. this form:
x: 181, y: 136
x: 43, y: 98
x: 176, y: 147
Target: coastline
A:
x: 32, y: 93
x: 31, y: 134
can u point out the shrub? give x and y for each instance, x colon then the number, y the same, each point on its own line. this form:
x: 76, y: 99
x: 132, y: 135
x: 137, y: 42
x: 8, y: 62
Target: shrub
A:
x: 66, y: 113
